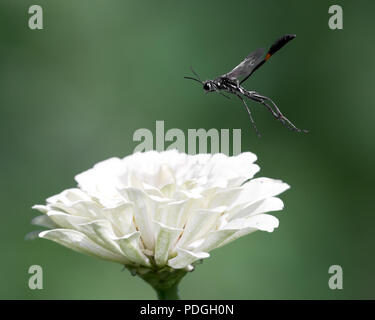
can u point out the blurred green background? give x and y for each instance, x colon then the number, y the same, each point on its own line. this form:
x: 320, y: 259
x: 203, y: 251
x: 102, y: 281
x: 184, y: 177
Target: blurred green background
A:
x: 74, y: 93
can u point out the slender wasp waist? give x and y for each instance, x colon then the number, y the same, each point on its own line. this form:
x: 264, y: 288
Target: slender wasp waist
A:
x: 231, y: 86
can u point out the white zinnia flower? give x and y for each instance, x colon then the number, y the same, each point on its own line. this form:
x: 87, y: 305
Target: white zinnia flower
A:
x: 161, y: 209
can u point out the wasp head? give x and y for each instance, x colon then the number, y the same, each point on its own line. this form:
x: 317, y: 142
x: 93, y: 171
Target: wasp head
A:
x: 209, y: 86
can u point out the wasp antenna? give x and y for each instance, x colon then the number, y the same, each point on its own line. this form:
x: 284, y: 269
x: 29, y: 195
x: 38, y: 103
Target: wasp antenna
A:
x: 196, y: 74
x: 193, y: 79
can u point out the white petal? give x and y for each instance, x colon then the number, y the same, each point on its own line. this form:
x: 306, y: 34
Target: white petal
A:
x: 68, y: 197
x: 262, y: 206
x: 232, y: 171
x: 173, y: 214
x: 44, y: 221
x: 168, y: 190
x: 166, y: 238
x: 259, y: 189
x: 212, y: 240
x: 151, y: 190
x: 144, y: 208
x: 83, y: 208
x: 102, y: 181
x: 233, y: 230
x: 32, y: 235
x: 121, y: 218
x: 224, y: 197
x: 64, y: 220
x: 165, y: 176
x: 185, y: 257
x: 101, y: 232
x: 79, y: 242
x: 41, y: 208
x: 264, y: 222
x: 131, y: 249
x: 200, y: 222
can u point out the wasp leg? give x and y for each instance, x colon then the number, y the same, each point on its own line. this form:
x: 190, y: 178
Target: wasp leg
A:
x: 254, y: 96
x: 224, y: 95
x: 250, y: 115
x: 278, y: 114
x: 283, y: 118
x: 238, y: 84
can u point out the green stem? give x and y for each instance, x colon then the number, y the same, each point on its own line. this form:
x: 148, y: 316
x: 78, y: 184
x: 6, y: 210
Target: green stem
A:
x: 170, y: 293
x: 165, y: 282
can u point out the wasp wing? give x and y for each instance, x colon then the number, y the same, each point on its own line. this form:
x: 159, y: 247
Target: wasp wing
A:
x: 277, y: 45
x: 246, y: 67
x: 255, y: 59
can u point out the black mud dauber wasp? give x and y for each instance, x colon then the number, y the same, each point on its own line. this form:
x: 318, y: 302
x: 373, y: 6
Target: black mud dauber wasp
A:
x: 230, y: 82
